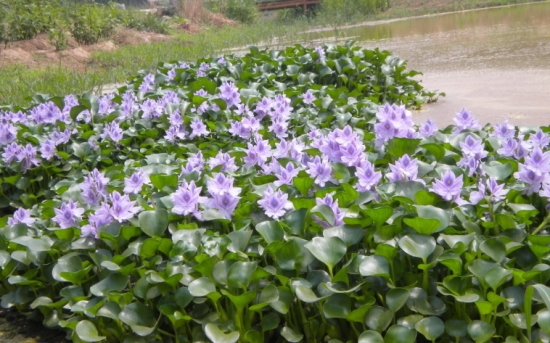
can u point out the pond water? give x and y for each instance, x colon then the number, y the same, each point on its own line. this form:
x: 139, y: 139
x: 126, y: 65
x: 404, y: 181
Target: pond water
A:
x: 494, y: 62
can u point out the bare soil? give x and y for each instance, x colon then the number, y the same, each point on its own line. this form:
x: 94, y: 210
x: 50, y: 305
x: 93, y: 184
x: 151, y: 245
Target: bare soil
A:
x: 39, y: 52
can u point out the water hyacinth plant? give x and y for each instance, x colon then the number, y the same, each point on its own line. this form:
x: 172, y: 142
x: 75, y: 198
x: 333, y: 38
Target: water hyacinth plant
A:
x: 283, y: 196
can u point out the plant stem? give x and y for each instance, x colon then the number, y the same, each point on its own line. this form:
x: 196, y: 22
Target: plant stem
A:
x: 542, y: 225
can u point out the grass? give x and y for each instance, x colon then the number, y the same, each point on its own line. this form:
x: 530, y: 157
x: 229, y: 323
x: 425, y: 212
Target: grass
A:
x: 120, y: 65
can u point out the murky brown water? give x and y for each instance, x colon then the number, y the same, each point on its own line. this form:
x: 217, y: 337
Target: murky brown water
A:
x: 494, y: 62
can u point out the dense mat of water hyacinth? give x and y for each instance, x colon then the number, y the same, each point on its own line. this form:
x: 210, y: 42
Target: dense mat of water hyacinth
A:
x: 284, y: 196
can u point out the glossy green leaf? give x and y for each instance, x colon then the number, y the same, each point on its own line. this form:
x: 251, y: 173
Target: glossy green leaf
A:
x: 396, y: 298
x: 291, y: 335
x: 378, y: 318
x: 400, y: 334
x: 494, y: 248
x: 218, y: 336
x: 430, y: 327
x: 240, y: 273
x: 370, y: 336
x: 337, y: 306
x: 328, y: 250
x: 416, y: 245
x: 374, y: 265
x: 201, y: 287
x: 139, y: 317
x: 153, y: 223
x: 480, y: 331
x: 87, y: 332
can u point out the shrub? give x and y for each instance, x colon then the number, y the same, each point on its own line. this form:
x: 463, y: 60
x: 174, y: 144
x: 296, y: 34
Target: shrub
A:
x: 245, y: 11
x: 351, y: 9
x: 143, y: 22
x: 90, y: 22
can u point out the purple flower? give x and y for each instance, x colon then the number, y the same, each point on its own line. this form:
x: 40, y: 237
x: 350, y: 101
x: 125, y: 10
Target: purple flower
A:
x: 94, y: 187
x: 151, y: 109
x: 223, y: 159
x: 496, y: 191
x: 428, y: 129
x: 11, y: 152
x: 533, y: 178
x: 105, y: 105
x: 222, y: 184
x: 122, y: 208
x: 201, y: 93
x: 8, y: 133
x: 385, y: 131
x: 113, y: 131
x: 47, y: 149
x: 225, y: 202
x: 352, y: 153
x: 404, y: 169
x: 508, y: 148
x: 175, y: 119
x: 69, y: 215
x: 198, y: 128
x: 538, y: 161
x: 257, y: 154
x: 286, y: 174
x: 274, y: 203
x: 449, y: 186
x: 171, y: 74
x: 133, y: 184
x: 61, y: 137
x: 263, y: 107
x: 539, y: 139
x: 147, y: 83
x: 84, y: 116
x: 27, y: 157
x: 473, y: 147
x: 367, y: 177
x: 333, y: 204
x: 308, y: 97
x: 465, y: 121
x: 128, y: 105
x: 321, y: 170
x: 230, y: 94
x: 186, y: 199
x: 320, y: 51
x: 222, y: 60
x: 504, y: 131
x: 21, y: 216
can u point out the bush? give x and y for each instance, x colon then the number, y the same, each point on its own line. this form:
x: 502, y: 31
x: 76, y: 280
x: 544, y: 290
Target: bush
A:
x: 245, y: 11
x: 351, y: 9
x: 89, y: 23
x: 143, y: 22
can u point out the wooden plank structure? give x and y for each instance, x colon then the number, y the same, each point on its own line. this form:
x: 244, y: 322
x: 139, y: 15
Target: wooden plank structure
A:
x: 275, y: 5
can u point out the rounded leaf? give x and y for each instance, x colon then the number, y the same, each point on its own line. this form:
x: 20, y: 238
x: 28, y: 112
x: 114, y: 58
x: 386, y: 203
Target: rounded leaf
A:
x: 328, y: 250
x: 370, y: 336
x: 218, y: 336
x: 201, y: 287
x: 400, y: 334
x: 86, y: 331
x: 374, y: 265
x: 417, y: 245
x: 153, y: 223
x: 480, y: 331
x: 430, y: 327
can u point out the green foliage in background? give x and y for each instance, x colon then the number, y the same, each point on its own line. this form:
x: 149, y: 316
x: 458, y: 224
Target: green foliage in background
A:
x: 345, y: 10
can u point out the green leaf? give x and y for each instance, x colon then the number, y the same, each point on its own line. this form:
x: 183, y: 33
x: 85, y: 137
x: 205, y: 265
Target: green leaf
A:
x: 374, y: 265
x: 218, y: 336
x: 417, y: 245
x: 153, y: 223
x: 480, y: 331
x: 201, y: 287
x: 378, y: 318
x: 370, y: 336
x: 423, y: 197
x: 290, y: 335
x: 240, y: 273
x: 293, y: 255
x: 430, y: 327
x: 436, y: 149
x: 497, y: 276
x: 380, y: 214
x: 328, y: 250
x: 271, y: 231
x: 396, y: 298
x: 139, y: 317
x: 325, y: 213
x: 350, y: 235
x: 400, y: 334
x: 456, y: 328
x: 398, y: 147
x: 494, y: 248
x: 422, y: 225
x: 498, y: 170
x: 162, y: 180
x: 303, y: 184
x: 113, y: 283
x: 431, y: 212
x: 87, y: 332
x: 296, y: 221
x: 337, y: 306
x: 524, y: 210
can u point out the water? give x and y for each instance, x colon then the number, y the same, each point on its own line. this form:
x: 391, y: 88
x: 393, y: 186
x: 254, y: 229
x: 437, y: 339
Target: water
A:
x: 494, y: 62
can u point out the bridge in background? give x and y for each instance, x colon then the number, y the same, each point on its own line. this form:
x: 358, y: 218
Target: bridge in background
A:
x: 276, y: 5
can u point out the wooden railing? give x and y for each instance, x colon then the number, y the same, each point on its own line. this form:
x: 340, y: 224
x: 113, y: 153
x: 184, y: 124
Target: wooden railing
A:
x: 275, y: 5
